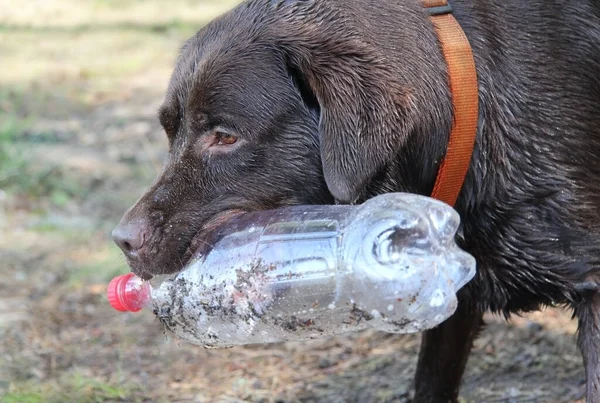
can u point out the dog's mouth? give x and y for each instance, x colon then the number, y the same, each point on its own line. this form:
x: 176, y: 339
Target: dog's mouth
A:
x: 201, y: 244
x: 205, y: 238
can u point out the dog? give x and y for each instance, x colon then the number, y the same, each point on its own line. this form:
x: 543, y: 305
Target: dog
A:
x: 279, y: 103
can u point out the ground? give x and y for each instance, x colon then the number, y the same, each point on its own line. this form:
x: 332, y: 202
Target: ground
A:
x: 79, y: 141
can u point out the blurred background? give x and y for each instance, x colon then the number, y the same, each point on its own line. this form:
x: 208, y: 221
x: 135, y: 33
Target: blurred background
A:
x: 80, y: 84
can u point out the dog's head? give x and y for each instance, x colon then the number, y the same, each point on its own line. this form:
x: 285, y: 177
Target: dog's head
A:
x: 289, y: 102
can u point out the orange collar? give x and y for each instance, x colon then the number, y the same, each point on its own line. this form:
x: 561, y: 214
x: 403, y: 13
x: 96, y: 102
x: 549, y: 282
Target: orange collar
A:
x: 463, y: 86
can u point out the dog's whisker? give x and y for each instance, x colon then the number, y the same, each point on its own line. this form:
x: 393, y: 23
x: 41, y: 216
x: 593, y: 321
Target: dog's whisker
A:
x: 211, y: 246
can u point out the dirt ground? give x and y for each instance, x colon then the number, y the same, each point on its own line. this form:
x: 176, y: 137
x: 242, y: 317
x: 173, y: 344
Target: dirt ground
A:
x: 79, y: 87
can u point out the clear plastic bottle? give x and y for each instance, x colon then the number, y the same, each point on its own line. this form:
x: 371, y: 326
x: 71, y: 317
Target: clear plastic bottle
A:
x: 307, y: 272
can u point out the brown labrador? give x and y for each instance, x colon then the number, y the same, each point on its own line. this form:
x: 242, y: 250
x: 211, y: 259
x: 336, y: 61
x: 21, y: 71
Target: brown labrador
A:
x: 279, y: 103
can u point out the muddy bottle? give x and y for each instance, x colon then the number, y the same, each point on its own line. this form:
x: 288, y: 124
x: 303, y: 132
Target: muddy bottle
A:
x: 307, y: 272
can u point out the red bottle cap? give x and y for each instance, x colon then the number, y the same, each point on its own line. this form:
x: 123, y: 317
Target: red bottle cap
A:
x: 127, y: 293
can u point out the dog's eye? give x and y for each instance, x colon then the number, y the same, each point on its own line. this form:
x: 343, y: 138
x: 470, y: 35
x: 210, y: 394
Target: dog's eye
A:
x: 225, y: 139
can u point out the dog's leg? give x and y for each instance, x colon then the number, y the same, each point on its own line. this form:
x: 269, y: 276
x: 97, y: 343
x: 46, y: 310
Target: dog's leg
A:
x: 589, y: 343
x: 444, y: 354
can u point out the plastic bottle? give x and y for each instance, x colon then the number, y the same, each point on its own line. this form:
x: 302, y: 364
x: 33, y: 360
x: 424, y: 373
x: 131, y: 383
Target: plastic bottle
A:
x: 307, y: 272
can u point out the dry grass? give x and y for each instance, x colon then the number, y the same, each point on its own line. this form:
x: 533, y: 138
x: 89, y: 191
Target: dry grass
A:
x: 68, y: 14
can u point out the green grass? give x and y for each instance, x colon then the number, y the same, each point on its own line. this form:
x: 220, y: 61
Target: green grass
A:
x: 52, y: 183
x: 18, y: 173
x: 23, y: 397
x: 72, y: 388
x: 24, y: 176
x: 12, y: 157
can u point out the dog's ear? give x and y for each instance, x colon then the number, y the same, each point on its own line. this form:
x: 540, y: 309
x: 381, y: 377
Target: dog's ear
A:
x: 367, y: 101
x: 363, y: 122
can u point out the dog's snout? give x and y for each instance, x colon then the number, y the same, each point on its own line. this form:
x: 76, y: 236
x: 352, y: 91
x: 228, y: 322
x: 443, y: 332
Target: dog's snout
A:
x: 130, y: 236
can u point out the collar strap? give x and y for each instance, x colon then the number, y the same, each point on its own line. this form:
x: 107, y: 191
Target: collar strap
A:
x: 462, y: 77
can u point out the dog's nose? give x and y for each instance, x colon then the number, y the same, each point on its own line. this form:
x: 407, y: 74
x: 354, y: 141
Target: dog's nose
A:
x: 130, y: 236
